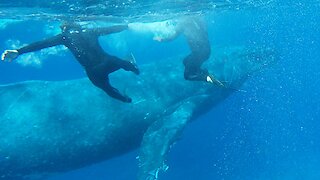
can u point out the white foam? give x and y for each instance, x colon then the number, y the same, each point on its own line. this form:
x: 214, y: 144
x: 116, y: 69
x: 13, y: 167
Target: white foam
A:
x: 161, y: 29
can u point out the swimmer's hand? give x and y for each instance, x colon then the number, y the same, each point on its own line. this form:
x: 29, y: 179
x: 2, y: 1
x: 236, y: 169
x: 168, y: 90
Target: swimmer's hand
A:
x: 9, y: 55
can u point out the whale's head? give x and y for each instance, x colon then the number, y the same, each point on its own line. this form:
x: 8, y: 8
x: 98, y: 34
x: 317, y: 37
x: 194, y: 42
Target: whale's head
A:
x: 232, y: 66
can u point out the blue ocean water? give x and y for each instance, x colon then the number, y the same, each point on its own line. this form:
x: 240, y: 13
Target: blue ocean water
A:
x: 270, y: 130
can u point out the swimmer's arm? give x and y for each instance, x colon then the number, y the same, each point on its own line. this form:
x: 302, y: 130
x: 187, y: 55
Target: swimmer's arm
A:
x: 36, y: 46
x: 9, y: 55
x: 109, y: 30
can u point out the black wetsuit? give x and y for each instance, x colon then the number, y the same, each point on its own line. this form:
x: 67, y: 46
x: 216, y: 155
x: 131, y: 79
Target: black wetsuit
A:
x: 84, y: 45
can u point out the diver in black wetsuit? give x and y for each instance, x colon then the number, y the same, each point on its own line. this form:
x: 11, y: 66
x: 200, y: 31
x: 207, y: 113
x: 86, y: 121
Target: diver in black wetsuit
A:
x: 84, y: 45
x: 195, y: 31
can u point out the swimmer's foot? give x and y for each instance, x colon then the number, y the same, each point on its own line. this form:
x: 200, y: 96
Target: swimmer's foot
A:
x: 134, y: 68
x: 202, y: 75
x: 130, y: 66
x: 196, y: 74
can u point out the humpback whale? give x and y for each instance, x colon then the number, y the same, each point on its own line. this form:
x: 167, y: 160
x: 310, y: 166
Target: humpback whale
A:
x: 49, y: 127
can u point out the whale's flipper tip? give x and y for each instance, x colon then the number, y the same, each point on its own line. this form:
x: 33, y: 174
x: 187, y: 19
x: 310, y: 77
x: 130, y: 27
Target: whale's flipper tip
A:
x: 159, y: 138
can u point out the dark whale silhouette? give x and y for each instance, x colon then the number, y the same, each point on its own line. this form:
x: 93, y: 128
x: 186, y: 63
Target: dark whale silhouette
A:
x: 49, y: 127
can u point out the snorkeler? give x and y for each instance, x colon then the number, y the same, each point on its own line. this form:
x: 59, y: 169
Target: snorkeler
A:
x: 84, y: 45
x: 195, y: 31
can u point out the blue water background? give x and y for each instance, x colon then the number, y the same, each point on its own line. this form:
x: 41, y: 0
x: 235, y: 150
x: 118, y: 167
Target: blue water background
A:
x: 271, y: 131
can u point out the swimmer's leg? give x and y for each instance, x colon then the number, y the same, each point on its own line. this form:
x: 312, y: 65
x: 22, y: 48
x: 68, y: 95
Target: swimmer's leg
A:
x: 193, y: 71
x: 100, y: 80
x: 126, y: 65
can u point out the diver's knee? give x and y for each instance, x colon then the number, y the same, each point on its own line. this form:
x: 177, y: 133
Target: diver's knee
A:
x: 205, y: 53
x: 97, y: 82
x: 189, y: 60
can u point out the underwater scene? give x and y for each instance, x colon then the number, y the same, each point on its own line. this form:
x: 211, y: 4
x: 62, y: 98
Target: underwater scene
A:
x: 160, y: 90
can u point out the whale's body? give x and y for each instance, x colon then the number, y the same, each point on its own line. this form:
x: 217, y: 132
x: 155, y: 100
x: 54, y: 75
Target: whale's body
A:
x: 48, y: 127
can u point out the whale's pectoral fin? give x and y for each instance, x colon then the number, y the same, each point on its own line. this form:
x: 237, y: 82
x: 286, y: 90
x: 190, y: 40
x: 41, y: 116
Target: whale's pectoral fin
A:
x: 158, y: 139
